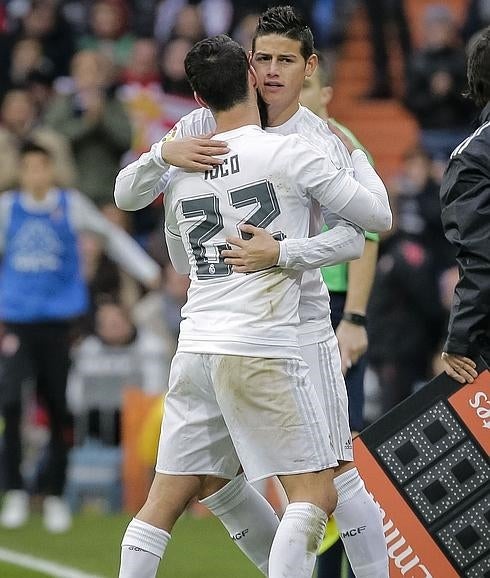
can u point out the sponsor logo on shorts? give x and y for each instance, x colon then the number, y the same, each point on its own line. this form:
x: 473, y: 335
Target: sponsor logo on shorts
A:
x: 348, y: 444
x: 239, y: 535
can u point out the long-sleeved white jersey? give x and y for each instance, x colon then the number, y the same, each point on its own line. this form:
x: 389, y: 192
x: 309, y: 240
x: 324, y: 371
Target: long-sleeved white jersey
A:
x: 140, y: 183
x: 268, y: 181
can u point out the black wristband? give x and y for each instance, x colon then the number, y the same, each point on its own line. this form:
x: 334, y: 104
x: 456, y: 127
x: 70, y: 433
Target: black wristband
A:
x: 355, y: 318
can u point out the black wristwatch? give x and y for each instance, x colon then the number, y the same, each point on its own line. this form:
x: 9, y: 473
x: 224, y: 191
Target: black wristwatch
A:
x: 355, y: 318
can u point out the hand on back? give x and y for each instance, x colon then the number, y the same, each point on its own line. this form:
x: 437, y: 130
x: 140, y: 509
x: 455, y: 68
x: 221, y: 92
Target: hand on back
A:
x: 194, y: 153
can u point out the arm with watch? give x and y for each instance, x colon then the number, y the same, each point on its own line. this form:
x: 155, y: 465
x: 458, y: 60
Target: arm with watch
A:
x: 351, y: 331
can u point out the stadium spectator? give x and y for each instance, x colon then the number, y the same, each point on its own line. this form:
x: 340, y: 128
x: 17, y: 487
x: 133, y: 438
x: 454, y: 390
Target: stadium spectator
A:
x: 435, y: 84
x: 40, y: 85
x: 171, y: 63
x: 418, y: 214
x: 95, y: 123
x: 27, y: 57
x: 43, y: 20
x: 418, y: 210
x: 192, y: 20
x: 465, y: 202
x: 41, y: 292
x: 406, y: 317
x: 142, y: 65
x: 409, y: 289
x: 381, y: 14
x: 244, y: 30
x: 118, y: 354
x: 19, y: 123
x: 110, y: 35
x: 142, y: 86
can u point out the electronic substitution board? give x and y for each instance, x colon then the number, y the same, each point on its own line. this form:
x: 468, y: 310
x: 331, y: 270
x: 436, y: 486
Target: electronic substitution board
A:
x: 426, y: 462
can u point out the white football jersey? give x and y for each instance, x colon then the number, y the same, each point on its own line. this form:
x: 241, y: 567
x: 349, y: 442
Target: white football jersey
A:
x: 266, y: 180
x: 314, y: 308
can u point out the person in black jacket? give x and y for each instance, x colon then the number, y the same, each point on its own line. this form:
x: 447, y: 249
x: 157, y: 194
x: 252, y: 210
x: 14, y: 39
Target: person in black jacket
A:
x: 465, y: 203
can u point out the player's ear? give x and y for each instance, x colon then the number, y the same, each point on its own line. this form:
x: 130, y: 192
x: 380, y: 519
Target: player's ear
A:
x: 200, y: 101
x: 252, y: 77
x: 311, y: 65
x: 250, y: 56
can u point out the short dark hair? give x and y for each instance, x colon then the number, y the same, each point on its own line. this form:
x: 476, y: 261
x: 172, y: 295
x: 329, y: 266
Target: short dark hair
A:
x: 29, y: 147
x: 217, y: 69
x: 288, y: 22
x: 478, y: 69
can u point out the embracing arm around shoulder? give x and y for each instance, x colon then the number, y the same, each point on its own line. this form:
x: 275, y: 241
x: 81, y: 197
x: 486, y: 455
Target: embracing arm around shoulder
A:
x: 363, y: 201
x: 140, y: 183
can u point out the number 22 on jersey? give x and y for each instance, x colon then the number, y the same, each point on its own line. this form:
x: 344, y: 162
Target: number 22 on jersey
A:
x: 209, y: 261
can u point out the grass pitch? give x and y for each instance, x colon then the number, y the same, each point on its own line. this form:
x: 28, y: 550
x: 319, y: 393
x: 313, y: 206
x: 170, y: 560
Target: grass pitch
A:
x: 199, y: 548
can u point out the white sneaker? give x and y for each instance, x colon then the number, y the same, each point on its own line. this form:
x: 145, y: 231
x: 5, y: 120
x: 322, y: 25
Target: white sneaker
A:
x: 56, y: 515
x: 15, y: 509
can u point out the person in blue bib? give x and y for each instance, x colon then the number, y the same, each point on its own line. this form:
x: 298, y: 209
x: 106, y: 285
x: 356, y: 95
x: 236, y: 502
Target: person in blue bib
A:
x: 42, y: 291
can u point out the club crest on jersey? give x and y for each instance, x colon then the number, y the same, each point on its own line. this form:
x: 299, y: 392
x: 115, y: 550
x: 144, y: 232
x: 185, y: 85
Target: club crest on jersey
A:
x: 170, y: 135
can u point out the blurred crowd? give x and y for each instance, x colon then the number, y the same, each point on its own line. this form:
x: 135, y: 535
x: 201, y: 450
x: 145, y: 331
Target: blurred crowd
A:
x: 96, y: 82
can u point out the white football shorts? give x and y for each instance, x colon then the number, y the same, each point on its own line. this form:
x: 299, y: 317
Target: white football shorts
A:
x: 323, y: 360
x: 225, y: 410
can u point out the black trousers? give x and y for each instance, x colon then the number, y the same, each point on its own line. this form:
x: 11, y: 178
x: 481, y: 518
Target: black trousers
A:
x: 40, y: 351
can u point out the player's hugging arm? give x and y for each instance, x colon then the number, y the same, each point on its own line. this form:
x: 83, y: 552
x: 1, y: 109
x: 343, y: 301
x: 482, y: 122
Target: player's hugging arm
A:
x: 363, y: 200
x: 175, y: 247
x: 342, y: 242
x: 185, y: 146
x: 140, y: 183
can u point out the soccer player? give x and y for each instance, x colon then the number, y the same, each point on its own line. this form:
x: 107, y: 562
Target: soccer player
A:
x: 238, y: 390
x: 283, y: 56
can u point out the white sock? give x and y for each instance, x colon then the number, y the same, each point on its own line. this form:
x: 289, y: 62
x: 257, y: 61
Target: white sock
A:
x: 248, y: 517
x: 361, y: 527
x: 143, y: 545
x: 298, y: 537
